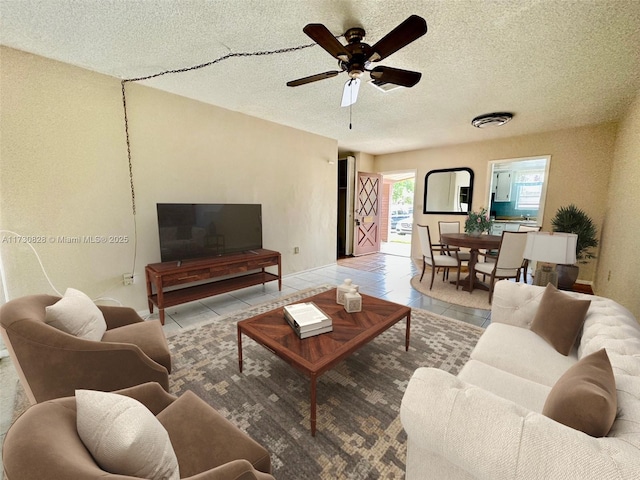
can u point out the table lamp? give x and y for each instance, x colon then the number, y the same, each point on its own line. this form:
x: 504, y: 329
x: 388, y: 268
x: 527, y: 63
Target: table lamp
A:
x: 549, y: 250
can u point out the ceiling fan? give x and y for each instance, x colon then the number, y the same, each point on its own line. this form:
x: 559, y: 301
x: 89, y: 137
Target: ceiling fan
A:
x: 356, y: 57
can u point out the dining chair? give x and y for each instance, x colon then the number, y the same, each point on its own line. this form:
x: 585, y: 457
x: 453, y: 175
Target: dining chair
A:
x: 436, y: 261
x: 452, y: 227
x: 528, y: 228
x: 525, y: 262
x: 509, y: 261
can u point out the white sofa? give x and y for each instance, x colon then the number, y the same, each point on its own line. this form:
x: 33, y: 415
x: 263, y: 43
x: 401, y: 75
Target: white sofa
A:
x: 486, y: 423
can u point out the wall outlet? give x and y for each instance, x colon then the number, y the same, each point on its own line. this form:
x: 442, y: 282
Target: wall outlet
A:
x: 127, y: 279
x: 296, y: 249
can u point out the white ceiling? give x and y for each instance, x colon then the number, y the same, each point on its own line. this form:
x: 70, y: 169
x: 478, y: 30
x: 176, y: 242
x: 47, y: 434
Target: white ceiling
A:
x: 553, y: 63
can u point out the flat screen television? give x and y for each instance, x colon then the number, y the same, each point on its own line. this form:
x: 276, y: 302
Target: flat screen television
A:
x: 196, y: 230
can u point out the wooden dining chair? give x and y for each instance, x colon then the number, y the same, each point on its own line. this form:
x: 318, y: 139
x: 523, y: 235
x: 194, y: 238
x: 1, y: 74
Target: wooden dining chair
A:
x: 436, y: 261
x: 525, y: 262
x: 452, y: 227
x: 492, y: 255
x: 509, y: 261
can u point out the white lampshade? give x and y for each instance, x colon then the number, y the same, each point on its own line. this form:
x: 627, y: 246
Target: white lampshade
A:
x: 559, y: 248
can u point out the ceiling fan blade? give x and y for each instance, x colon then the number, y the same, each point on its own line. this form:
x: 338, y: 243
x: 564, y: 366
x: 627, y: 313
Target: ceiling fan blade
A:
x: 312, y: 78
x: 323, y: 37
x: 405, y: 33
x: 406, y: 78
x: 350, y: 92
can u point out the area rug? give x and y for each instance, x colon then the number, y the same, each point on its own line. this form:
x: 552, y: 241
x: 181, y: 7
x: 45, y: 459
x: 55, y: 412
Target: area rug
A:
x: 359, y: 434
x: 447, y: 292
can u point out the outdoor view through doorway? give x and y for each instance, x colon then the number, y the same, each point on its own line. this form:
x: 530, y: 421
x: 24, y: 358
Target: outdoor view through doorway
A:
x: 397, y: 213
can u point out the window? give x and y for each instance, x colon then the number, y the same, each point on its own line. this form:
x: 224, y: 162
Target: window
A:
x: 528, y: 197
x: 528, y: 189
x: 528, y: 176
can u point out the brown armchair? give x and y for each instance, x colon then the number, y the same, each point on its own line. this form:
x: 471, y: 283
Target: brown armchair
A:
x: 44, y: 443
x: 53, y: 364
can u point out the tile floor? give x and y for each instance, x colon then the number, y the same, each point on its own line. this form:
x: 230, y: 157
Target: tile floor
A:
x: 382, y: 275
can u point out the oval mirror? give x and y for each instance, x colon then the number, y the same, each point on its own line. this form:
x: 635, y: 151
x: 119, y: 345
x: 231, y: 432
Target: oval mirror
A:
x: 448, y: 191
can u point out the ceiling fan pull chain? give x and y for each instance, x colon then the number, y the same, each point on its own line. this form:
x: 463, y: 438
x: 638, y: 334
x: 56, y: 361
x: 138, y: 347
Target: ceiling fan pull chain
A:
x: 351, y: 103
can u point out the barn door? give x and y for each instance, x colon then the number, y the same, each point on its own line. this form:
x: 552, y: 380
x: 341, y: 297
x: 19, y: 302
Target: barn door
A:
x: 366, y: 237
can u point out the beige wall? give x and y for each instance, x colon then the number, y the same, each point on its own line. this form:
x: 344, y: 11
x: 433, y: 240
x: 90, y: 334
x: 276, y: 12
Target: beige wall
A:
x: 618, y: 274
x: 364, y: 162
x: 64, y: 172
x: 581, y: 160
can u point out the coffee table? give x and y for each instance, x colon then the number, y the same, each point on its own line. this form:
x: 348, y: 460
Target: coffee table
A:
x: 313, y: 356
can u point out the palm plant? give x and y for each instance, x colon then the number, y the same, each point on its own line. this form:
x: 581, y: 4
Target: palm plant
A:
x: 571, y: 219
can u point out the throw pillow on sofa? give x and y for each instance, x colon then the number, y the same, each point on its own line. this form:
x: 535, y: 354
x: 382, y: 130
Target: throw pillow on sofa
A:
x: 584, y: 397
x: 124, y: 437
x: 76, y: 314
x: 559, y: 319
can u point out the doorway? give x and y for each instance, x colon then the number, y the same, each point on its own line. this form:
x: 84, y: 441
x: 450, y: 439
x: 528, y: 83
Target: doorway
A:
x: 397, y: 212
x: 346, y: 183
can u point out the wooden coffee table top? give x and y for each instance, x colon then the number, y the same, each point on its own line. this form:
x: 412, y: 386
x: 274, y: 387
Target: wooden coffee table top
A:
x: 315, y: 355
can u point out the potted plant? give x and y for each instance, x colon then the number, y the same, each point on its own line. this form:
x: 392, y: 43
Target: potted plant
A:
x: 571, y: 219
x: 477, y: 223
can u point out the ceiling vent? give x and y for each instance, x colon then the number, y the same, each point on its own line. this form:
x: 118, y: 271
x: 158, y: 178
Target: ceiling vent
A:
x: 491, y: 119
x: 384, y: 86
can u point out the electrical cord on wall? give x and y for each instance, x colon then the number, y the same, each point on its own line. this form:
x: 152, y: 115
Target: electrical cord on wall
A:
x: 131, y: 185
x: 129, y: 158
x: 123, y: 82
x: 4, y: 283
x: 44, y: 272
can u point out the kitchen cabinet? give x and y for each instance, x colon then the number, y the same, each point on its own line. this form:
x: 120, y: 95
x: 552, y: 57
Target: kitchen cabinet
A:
x: 512, y: 227
x: 498, y: 227
x: 502, y: 186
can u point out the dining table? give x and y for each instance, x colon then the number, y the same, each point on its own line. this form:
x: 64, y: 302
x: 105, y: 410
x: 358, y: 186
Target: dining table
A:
x: 474, y: 243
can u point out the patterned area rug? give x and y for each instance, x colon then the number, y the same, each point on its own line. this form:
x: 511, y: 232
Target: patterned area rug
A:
x: 359, y: 434
x: 447, y: 292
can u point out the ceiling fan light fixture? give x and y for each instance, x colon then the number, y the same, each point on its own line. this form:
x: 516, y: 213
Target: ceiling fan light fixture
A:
x: 384, y: 86
x: 491, y: 119
x: 356, y: 57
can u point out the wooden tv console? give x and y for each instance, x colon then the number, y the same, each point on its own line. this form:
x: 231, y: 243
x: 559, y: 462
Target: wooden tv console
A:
x: 241, y: 269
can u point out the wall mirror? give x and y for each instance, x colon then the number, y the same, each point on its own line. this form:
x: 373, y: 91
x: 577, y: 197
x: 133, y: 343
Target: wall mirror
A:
x: 448, y: 191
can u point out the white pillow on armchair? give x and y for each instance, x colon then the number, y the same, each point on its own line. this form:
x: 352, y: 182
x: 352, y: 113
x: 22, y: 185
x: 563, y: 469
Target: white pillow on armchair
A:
x: 124, y: 437
x: 76, y: 314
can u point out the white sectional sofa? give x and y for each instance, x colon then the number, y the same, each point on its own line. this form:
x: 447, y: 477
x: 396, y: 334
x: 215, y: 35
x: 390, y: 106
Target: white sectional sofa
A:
x: 487, y: 422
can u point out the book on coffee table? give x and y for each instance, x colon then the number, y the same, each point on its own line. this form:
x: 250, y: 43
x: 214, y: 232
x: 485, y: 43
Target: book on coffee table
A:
x: 307, y: 319
x: 311, y: 333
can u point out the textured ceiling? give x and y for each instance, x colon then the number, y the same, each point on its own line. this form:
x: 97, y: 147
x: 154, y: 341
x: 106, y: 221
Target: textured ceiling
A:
x: 553, y: 63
